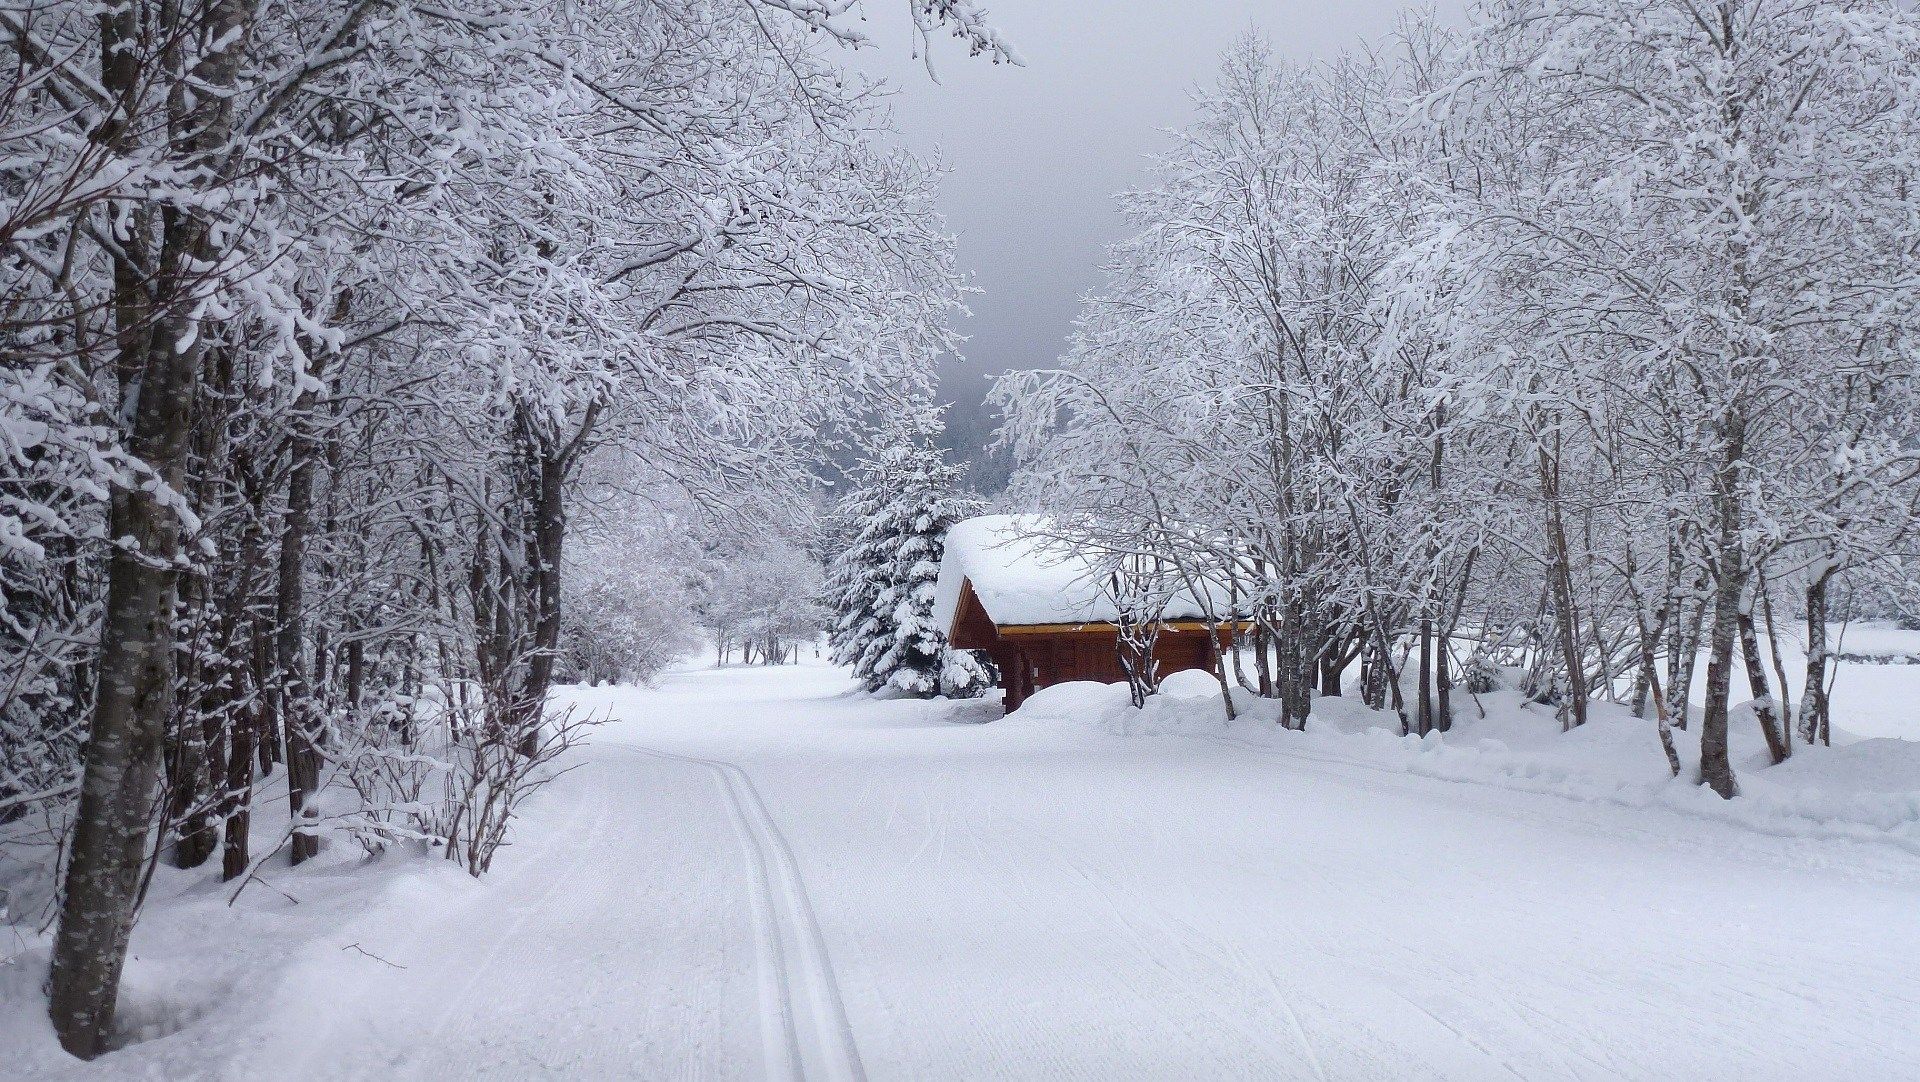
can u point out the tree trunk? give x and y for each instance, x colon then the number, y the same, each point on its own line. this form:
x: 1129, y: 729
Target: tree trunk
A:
x: 1716, y: 770
x: 1374, y: 672
x: 356, y: 674
x: 192, y: 734
x: 1296, y: 656
x: 1423, y: 713
x: 1220, y: 668
x: 134, y: 692
x: 1813, y: 698
x: 1391, y: 677
x: 1649, y: 674
x: 133, y: 700
x: 1785, y: 712
x: 158, y: 340
x: 296, y: 703
x: 267, y: 744
x: 1333, y: 661
x: 1764, y: 709
x: 1560, y: 578
x: 545, y: 551
x: 1686, y: 658
x: 236, y: 801
x: 1261, y: 665
x: 319, y: 692
x: 1431, y: 601
x: 243, y: 694
x: 1652, y: 684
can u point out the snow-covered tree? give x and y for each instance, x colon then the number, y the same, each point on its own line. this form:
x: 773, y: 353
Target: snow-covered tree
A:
x: 1687, y: 238
x: 629, y: 611
x: 1592, y: 328
x: 904, y: 499
x: 762, y: 599
x: 316, y: 314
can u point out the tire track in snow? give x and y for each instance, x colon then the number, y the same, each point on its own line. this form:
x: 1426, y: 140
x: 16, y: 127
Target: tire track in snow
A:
x: 817, y: 1043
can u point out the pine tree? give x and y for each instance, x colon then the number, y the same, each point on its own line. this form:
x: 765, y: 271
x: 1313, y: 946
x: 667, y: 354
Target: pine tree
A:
x: 905, y: 498
x: 860, y: 573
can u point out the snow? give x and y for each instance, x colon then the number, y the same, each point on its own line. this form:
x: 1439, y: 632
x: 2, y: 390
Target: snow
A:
x: 1870, y: 698
x: 755, y: 873
x: 1864, y: 791
x: 1023, y: 577
x: 212, y: 978
x: 607, y: 942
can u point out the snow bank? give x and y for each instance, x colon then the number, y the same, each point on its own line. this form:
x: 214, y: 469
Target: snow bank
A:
x: 1024, y: 578
x: 205, y: 967
x: 1875, y: 689
x: 1867, y: 790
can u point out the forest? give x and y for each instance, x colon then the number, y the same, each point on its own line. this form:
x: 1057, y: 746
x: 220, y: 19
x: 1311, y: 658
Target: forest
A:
x: 325, y: 321
x: 1583, y: 341
x: 400, y: 399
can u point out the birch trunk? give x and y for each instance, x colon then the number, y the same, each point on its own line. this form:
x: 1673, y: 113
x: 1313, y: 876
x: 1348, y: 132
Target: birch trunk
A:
x: 1716, y: 769
x: 1813, y: 698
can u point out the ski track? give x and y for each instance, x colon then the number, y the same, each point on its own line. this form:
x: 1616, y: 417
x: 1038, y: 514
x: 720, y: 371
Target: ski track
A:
x: 552, y: 964
x: 789, y: 934
x: 967, y: 847
x: 306, y: 1056
x: 880, y: 893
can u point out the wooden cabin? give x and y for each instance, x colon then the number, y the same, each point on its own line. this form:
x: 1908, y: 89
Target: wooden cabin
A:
x: 1039, y: 613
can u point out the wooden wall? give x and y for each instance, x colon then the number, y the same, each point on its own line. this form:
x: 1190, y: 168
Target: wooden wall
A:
x: 1058, y: 657
x: 1030, y: 659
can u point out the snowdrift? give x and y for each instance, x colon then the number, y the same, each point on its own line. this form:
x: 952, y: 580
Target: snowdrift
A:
x: 1864, y: 790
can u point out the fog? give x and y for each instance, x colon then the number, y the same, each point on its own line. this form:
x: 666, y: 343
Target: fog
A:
x: 1035, y: 154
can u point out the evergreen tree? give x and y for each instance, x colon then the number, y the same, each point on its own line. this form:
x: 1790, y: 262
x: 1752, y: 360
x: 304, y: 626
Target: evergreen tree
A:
x: 904, y: 499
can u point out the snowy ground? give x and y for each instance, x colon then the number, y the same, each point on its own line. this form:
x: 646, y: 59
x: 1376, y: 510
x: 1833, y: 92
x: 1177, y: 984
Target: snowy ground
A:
x: 753, y: 873
x: 1869, y: 699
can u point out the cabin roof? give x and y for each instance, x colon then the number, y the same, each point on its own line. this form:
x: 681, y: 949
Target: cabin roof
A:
x: 1022, y: 577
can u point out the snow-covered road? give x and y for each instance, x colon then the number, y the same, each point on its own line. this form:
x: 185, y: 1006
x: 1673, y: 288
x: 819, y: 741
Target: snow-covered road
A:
x: 752, y: 874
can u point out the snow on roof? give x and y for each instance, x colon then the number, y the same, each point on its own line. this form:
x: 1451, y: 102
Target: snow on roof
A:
x: 1022, y: 577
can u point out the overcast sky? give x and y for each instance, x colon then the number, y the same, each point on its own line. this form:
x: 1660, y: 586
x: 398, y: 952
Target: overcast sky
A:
x: 1035, y: 154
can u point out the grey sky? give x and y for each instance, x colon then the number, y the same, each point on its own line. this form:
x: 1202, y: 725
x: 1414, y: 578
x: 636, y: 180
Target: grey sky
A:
x: 1035, y: 154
